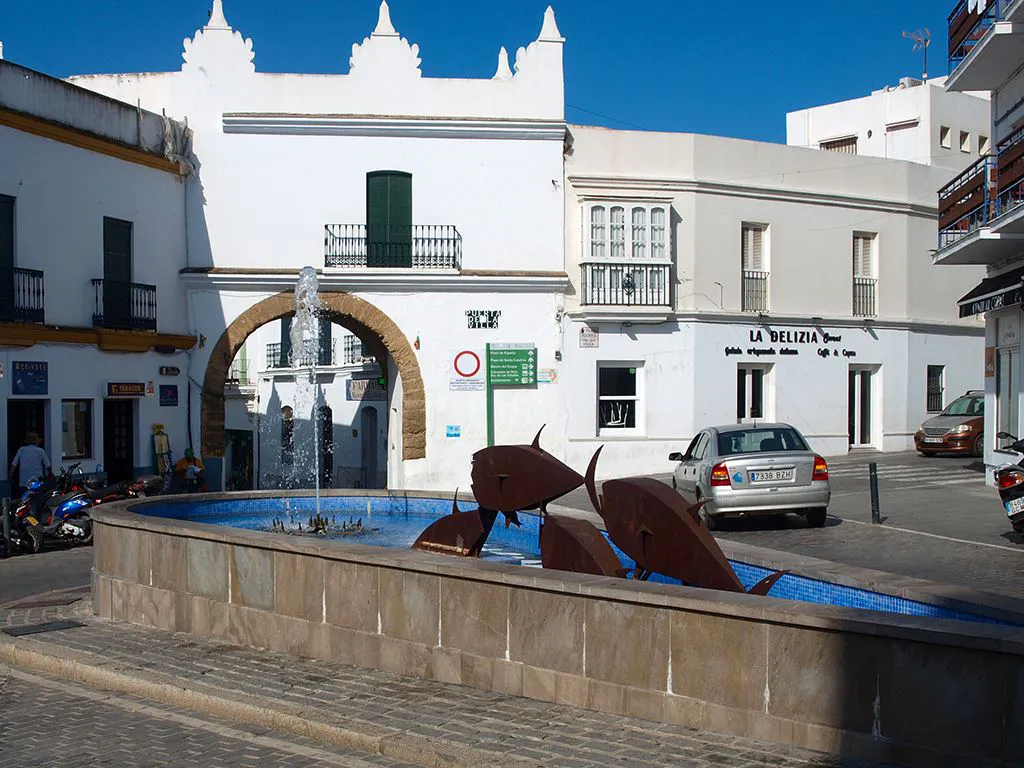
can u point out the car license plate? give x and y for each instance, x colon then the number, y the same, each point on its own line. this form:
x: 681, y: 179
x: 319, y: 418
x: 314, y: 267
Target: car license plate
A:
x: 1015, y: 506
x: 771, y: 475
x: 933, y: 439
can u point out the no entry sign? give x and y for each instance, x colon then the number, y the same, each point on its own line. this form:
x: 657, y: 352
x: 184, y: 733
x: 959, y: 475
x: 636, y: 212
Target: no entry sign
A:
x: 467, y: 371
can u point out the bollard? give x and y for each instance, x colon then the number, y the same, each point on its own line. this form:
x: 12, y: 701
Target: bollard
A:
x: 5, y: 513
x: 876, y: 515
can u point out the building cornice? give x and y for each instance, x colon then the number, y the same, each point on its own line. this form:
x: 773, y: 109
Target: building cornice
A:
x: 84, y: 140
x: 382, y: 281
x: 393, y: 127
x: 598, y: 188
x: 22, y: 335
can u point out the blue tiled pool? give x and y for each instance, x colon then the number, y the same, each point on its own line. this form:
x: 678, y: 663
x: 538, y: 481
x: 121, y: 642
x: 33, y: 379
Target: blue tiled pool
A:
x: 397, y: 521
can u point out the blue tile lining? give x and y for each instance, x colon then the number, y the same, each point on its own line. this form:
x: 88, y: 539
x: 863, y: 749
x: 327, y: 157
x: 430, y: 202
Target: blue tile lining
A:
x: 396, y: 521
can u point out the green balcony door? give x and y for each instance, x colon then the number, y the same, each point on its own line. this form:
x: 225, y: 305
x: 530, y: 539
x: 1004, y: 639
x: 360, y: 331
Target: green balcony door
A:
x: 388, y: 219
x: 117, y: 273
x: 6, y: 258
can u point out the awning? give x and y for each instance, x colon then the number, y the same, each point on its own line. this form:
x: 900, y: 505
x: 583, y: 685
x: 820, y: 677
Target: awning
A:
x: 1004, y: 290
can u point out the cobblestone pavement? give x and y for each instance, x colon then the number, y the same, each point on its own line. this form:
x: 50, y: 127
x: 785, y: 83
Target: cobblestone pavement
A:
x: 49, y: 722
x: 453, y: 716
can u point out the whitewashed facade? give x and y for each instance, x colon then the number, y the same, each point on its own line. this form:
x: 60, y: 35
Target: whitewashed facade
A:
x: 981, y: 211
x: 92, y: 235
x: 916, y: 120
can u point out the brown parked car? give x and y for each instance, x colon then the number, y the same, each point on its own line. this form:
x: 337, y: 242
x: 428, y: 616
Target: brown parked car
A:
x: 958, y: 429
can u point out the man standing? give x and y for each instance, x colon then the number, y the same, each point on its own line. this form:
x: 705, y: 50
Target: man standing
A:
x: 30, y: 463
x: 191, y: 472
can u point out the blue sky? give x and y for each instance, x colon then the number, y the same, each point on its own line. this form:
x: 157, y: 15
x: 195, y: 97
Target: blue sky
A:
x: 732, y: 69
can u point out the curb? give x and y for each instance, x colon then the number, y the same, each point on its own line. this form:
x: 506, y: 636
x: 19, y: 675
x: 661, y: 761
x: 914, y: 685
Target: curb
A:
x: 88, y: 670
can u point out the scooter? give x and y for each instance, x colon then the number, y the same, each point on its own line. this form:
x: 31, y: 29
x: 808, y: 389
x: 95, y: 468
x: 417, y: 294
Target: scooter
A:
x: 1010, y: 481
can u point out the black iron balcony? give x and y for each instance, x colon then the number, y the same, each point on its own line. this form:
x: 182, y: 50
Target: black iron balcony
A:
x: 419, y: 246
x: 21, y: 295
x: 124, y: 306
x: 280, y: 357
x: 967, y: 202
x: 357, y: 352
x: 967, y: 28
x: 1010, y: 175
x: 626, y: 284
x: 755, y: 291
x: 864, y: 297
x: 238, y: 374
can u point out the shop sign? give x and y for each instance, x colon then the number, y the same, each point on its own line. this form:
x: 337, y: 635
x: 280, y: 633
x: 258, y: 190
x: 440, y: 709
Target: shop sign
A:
x: 1009, y: 298
x: 30, y: 377
x: 764, y: 343
x: 126, y: 389
x: 990, y: 362
x: 169, y: 370
x: 169, y: 395
x: 365, y: 389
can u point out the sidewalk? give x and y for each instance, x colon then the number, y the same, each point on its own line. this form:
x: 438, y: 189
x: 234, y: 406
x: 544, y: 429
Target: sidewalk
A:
x: 406, y: 720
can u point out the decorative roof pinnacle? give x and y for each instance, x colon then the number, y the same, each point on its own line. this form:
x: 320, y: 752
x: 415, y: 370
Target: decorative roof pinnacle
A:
x: 549, y: 32
x: 217, y: 19
x: 504, y: 70
x: 384, y: 26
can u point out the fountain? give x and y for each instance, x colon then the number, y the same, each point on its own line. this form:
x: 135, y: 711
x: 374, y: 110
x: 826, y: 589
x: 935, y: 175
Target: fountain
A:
x: 305, y: 338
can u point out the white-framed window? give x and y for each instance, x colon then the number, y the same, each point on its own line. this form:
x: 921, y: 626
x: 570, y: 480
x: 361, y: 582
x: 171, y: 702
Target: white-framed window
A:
x: 965, y: 141
x: 846, y: 145
x: 610, y: 236
x: 754, y: 267
x: 752, y: 392
x: 945, y: 137
x: 619, y: 398
x: 864, y: 254
x: 76, y: 429
x: 935, y: 388
x: 984, y: 145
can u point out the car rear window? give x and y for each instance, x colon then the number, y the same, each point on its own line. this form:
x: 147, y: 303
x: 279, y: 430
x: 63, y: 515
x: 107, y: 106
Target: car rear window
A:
x: 760, y: 440
x: 970, y: 405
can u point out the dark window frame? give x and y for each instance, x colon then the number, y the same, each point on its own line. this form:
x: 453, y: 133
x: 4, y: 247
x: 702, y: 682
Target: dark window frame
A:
x: 88, y: 428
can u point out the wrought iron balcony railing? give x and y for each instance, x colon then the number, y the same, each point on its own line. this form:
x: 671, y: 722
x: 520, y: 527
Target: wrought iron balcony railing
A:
x: 123, y: 305
x: 21, y: 295
x: 419, y: 246
x: 356, y: 352
x: 966, y: 203
x: 238, y: 374
x: 864, y: 297
x: 1010, y: 174
x: 755, y: 291
x: 321, y: 355
x: 626, y: 284
x: 967, y: 28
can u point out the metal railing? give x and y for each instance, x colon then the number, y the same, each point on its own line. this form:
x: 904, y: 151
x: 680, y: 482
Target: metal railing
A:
x: 417, y: 246
x: 1010, y: 173
x: 864, y: 297
x: 627, y: 284
x: 277, y: 357
x: 966, y: 203
x: 356, y: 352
x: 755, y: 291
x: 238, y: 374
x: 966, y: 28
x: 22, y: 296
x: 123, y: 305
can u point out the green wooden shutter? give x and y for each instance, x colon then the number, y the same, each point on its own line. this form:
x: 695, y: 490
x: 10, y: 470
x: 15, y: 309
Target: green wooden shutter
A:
x: 117, y: 273
x: 6, y: 258
x: 388, y: 219
x: 324, y: 357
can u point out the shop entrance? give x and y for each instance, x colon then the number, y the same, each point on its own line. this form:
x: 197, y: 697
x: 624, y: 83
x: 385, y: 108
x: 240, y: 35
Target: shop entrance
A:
x: 25, y: 416
x: 859, y: 413
x: 118, y: 440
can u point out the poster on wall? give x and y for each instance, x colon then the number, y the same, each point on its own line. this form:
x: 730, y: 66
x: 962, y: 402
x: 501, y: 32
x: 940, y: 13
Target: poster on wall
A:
x: 169, y: 395
x: 990, y: 362
x: 589, y: 338
x: 30, y: 377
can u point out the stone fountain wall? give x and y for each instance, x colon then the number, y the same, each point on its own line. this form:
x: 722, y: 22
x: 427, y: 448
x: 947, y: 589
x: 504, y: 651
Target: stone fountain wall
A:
x: 890, y: 688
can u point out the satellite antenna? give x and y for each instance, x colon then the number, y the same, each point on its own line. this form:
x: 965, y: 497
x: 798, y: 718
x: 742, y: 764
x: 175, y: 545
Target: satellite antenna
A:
x: 922, y: 39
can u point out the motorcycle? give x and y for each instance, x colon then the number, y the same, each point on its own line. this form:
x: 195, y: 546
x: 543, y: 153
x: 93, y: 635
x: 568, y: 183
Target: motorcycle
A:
x: 1010, y: 481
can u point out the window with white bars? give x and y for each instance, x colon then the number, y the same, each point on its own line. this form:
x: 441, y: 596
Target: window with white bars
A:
x: 846, y: 145
x: 610, y: 236
x: 753, y: 248
x: 864, y: 255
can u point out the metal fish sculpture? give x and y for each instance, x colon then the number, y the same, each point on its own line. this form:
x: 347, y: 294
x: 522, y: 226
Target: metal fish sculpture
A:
x: 570, y: 544
x: 662, y: 533
x: 459, y: 533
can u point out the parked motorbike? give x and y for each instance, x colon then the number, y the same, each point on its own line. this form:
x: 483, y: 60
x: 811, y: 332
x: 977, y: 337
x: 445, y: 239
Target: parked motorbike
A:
x: 1010, y: 481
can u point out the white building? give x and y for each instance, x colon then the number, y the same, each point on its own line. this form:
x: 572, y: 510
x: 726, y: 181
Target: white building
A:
x: 981, y: 212
x: 662, y: 282
x: 93, y: 331
x: 919, y: 121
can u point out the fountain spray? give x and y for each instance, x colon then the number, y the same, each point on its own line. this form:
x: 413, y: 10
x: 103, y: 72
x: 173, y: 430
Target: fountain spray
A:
x: 305, y: 338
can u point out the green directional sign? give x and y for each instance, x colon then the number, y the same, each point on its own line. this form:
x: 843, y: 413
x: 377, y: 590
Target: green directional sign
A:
x: 512, y: 364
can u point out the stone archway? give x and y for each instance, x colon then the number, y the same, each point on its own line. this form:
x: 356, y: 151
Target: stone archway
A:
x: 357, y: 315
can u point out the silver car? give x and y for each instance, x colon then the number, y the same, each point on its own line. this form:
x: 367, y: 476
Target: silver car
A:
x: 753, y: 469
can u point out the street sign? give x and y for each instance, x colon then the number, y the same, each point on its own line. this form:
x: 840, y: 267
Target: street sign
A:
x: 512, y: 365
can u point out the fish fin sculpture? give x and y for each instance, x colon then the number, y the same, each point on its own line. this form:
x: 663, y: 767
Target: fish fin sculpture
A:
x: 571, y: 544
x: 457, y: 533
x: 595, y: 499
x: 536, y: 440
x: 694, y: 511
x: 764, y: 585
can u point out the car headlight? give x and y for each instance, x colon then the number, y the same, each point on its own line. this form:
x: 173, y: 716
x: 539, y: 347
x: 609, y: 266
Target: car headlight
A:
x: 959, y: 429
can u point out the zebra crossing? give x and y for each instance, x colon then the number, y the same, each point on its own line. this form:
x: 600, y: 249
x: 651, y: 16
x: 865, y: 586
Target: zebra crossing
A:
x: 951, y: 474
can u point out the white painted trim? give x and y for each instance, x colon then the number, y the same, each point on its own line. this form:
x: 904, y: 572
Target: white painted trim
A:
x: 397, y: 281
x: 395, y: 127
x: 595, y: 187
